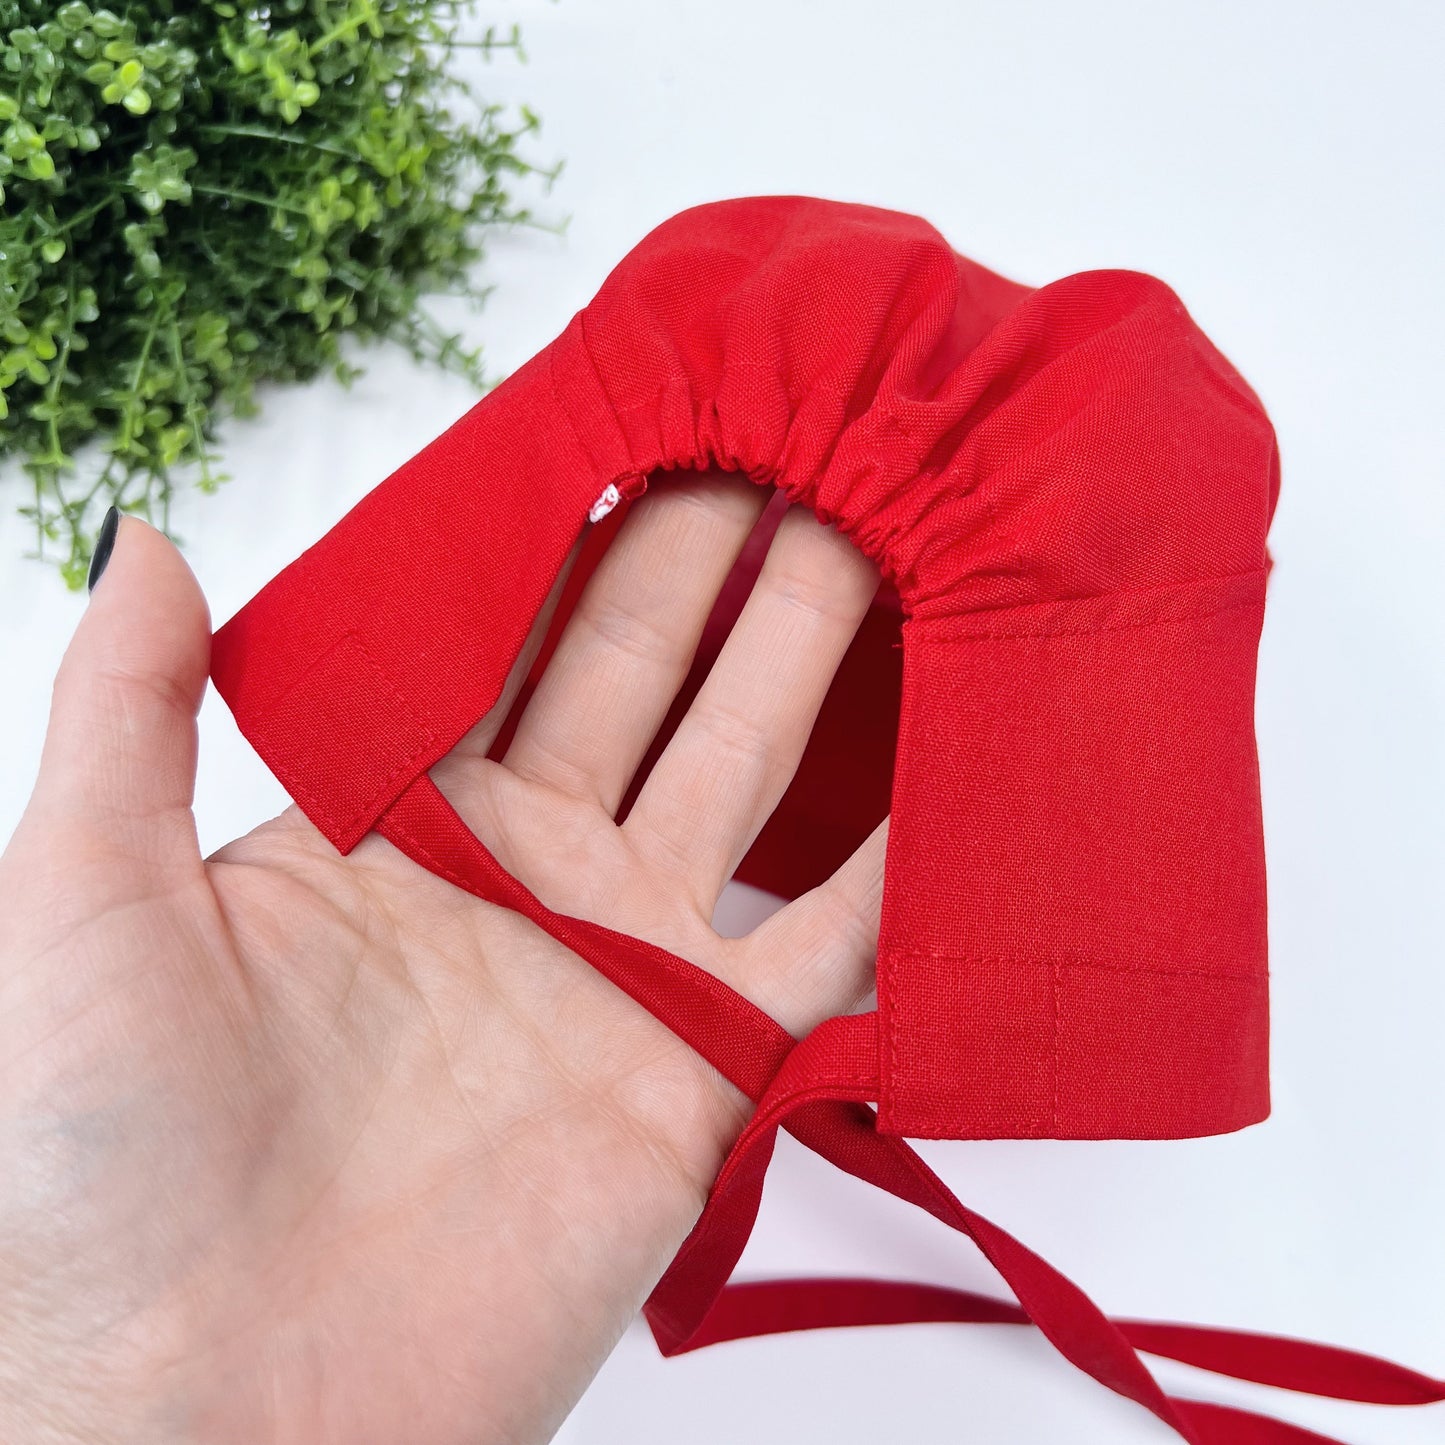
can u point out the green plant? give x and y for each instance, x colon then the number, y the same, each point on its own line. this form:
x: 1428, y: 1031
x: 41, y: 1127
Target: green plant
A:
x: 201, y: 195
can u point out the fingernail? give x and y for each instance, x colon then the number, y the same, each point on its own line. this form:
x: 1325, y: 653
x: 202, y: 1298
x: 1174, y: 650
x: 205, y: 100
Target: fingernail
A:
x: 104, y: 546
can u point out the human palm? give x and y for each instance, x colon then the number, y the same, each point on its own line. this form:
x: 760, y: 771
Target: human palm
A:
x: 302, y: 1147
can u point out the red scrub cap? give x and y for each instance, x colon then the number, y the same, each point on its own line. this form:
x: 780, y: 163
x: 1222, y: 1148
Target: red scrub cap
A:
x: 1067, y: 491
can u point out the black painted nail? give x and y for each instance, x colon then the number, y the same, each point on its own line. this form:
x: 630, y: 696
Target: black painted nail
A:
x: 104, y: 546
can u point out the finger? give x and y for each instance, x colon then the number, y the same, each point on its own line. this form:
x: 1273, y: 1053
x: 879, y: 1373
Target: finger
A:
x: 120, y: 751
x: 736, y: 750
x: 628, y: 646
x: 818, y: 956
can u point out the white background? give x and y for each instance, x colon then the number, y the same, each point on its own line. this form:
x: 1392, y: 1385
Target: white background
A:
x: 1279, y: 165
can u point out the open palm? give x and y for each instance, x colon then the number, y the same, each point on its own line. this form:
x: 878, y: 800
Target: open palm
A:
x: 297, y: 1147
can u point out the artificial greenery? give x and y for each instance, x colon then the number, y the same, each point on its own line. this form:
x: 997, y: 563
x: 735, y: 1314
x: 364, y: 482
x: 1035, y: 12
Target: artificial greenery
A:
x: 201, y: 195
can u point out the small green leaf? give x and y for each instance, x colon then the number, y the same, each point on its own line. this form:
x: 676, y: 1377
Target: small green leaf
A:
x: 74, y: 15
x: 205, y: 197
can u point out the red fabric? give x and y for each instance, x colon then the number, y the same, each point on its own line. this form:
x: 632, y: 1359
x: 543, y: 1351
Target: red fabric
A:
x: 768, y: 1307
x: 1067, y: 490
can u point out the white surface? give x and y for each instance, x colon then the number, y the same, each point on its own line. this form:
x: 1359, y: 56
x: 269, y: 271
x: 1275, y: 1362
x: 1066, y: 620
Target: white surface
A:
x: 1279, y: 165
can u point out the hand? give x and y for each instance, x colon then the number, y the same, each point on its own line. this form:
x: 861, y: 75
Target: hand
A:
x: 303, y: 1148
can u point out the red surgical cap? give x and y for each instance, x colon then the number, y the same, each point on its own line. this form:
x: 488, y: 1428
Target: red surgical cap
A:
x: 1067, y: 491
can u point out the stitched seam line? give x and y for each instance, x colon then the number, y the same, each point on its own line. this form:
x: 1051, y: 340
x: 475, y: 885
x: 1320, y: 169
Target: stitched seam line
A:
x: 1088, y: 965
x: 1054, y: 1110
x: 373, y: 807
x: 1158, y: 590
x: 934, y: 641
x: 887, y: 1084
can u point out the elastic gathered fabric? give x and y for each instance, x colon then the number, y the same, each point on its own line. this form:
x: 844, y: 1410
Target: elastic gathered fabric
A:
x: 1068, y: 492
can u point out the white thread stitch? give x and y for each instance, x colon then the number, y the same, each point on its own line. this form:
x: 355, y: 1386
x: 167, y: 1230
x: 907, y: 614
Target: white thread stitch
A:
x: 604, y: 503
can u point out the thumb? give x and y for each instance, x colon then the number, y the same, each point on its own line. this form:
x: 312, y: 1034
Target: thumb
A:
x: 120, y: 751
